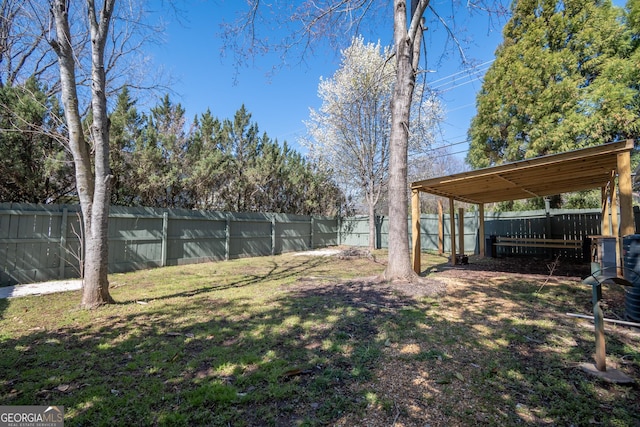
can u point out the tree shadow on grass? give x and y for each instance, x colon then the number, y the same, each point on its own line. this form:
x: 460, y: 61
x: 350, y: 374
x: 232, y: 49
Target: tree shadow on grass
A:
x: 210, y: 362
x: 316, y: 353
x: 275, y: 272
x: 518, y: 353
x: 4, y: 303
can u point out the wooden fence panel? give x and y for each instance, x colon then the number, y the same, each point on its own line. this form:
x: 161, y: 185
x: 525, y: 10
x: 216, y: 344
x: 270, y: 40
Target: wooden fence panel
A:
x: 70, y: 245
x: 292, y: 233
x: 250, y: 235
x: 428, y: 232
x: 325, y: 232
x: 30, y: 238
x: 574, y: 226
x: 43, y: 242
x: 354, y: 231
x: 135, y: 240
x: 522, y: 227
x: 195, y: 237
x: 470, y: 230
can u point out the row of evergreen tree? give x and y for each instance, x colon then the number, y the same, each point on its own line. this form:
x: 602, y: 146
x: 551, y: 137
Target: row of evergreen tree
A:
x: 158, y: 161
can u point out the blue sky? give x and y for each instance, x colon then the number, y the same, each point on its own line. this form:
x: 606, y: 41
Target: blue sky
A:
x: 280, y: 103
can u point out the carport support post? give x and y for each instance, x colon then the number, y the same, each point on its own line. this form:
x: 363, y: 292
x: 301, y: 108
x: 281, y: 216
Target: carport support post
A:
x: 461, y: 231
x: 627, y: 225
x: 615, y: 221
x: 481, y: 231
x: 440, y: 228
x: 415, y: 229
x: 605, y: 224
x: 452, y: 226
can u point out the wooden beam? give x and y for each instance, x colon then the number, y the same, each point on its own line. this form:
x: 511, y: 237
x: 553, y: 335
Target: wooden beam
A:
x: 513, y: 184
x: 614, y: 225
x: 627, y: 223
x: 440, y: 228
x: 605, y: 224
x: 415, y: 230
x: 461, y: 231
x: 481, y: 230
x: 452, y: 225
x: 543, y: 176
x: 627, y: 226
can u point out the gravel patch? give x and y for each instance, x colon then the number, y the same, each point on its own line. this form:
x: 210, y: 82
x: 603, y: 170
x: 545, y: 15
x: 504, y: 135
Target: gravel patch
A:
x: 40, y: 288
x: 319, y: 252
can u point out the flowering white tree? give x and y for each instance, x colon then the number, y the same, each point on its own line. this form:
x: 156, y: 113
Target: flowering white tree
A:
x: 350, y: 132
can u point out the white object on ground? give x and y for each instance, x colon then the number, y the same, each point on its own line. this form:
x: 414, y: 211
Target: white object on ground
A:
x: 40, y: 288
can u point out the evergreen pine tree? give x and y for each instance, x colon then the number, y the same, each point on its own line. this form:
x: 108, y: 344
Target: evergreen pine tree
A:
x: 126, y: 128
x: 560, y: 81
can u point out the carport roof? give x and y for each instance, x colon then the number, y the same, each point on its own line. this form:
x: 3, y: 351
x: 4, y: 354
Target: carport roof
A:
x: 577, y: 170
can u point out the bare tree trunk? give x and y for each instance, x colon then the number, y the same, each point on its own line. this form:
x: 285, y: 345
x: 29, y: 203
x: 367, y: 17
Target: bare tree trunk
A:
x: 407, y: 44
x: 93, y: 190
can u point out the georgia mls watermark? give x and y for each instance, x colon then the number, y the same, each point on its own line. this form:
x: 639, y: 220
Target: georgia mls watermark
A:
x: 31, y: 416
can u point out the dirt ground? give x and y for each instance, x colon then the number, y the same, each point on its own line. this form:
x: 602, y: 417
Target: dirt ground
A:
x: 415, y: 393
x: 483, y: 269
x: 526, y: 265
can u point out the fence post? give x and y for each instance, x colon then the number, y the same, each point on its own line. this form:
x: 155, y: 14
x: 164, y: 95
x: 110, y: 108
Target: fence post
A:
x: 165, y: 238
x: 313, y: 224
x: 227, y: 237
x: 273, y: 234
x: 339, y: 223
x: 440, y: 228
x: 63, y: 243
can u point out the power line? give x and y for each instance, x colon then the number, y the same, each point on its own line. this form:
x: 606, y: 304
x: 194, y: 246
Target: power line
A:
x: 451, y: 79
x: 457, y: 152
x: 460, y: 107
x: 455, y: 83
x: 450, y: 76
x: 459, y: 85
x: 442, y: 147
x: 451, y: 82
x: 455, y: 143
x: 445, y: 154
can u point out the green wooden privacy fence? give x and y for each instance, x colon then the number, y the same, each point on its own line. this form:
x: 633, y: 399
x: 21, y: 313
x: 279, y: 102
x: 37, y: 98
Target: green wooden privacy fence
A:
x: 573, y: 224
x: 42, y: 242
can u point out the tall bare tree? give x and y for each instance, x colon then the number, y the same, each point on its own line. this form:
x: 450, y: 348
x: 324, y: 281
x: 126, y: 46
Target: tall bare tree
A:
x: 332, y: 19
x: 93, y: 183
x: 407, y: 38
x: 97, y: 46
x: 24, y: 52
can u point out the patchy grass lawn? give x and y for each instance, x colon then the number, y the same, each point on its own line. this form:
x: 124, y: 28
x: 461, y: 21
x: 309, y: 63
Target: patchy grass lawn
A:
x: 306, y: 340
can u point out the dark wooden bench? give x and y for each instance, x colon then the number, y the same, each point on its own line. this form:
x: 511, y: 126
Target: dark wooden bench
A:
x: 583, y: 245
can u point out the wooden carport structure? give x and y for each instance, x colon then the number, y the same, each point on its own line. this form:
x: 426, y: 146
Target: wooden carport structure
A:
x: 583, y: 169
